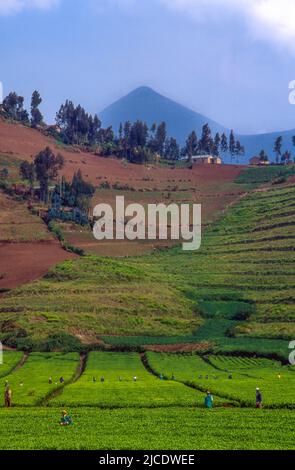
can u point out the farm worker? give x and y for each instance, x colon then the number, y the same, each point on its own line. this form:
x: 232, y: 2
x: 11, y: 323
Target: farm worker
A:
x: 120, y: 379
x: 8, y: 397
x: 94, y: 379
x: 50, y: 381
x: 66, y: 420
x: 134, y: 379
x: 173, y: 376
x: 161, y: 377
x: 102, y: 380
x: 279, y: 376
x: 209, y: 400
x: 258, y: 398
x: 62, y: 380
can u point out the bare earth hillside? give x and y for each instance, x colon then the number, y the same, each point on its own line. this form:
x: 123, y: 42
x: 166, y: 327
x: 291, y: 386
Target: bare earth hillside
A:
x: 212, y: 186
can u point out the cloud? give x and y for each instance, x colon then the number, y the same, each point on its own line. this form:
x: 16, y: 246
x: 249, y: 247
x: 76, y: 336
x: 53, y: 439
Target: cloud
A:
x: 270, y: 20
x: 9, y: 7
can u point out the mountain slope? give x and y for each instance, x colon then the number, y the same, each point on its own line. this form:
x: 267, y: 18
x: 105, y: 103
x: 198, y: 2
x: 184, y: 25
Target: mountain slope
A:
x: 255, y: 143
x: 147, y: 105
x: 151, y: 107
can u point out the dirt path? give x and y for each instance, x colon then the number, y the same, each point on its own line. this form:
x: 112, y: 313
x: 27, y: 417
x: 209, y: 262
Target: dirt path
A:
x: 179, y: 347
x: 149, y: 369
x: 58, y: 391
x: 8, y: 348
x: 21, y: 363
x: 18, y: 366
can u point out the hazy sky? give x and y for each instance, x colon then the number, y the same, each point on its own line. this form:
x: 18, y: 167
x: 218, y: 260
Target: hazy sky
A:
x: 231, y: 60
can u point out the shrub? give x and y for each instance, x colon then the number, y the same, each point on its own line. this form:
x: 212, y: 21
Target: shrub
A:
x: 62, y: 342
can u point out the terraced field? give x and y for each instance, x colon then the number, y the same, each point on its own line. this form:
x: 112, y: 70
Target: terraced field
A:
x: 149, y: 413
x: 120, y: 390
x: 18, y: 225
x: 256, y: 176
x: 242, y: 280
x: 237, y: 292
x: 12, y: 164
x: 30, y: 383
x: 231, y: 377
x: 12, y: 359
x: 130, y: 380
x: 258, y: 261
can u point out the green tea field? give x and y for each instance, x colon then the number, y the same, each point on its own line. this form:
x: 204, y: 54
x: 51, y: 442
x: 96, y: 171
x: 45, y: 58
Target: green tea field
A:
x: 30, y: 382
x: 127, y: 401
x: 233, y: 378
x: 146, y: 429
x: 126, y: 384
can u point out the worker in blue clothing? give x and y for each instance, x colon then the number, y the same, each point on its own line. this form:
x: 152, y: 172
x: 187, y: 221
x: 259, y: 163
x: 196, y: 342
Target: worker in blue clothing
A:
x: 209, y: 400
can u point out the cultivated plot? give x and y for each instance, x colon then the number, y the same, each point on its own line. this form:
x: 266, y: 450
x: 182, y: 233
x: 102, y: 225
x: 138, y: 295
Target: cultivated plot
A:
x: 159, y: 428
x: 10, y: 360
x: 116, y: 380
x: 40, y: 375
x: 233, y: 378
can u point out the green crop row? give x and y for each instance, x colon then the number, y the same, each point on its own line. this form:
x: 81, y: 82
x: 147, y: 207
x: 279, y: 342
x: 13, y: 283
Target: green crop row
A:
x: 265, y: 174
x: 228, y: 379
x: 9, y: 361
x: 30, y: 383
x: 116, y: 380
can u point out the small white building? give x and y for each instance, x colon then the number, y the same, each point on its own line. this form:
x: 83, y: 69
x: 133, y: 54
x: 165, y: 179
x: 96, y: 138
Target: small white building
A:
x: 206, y: 160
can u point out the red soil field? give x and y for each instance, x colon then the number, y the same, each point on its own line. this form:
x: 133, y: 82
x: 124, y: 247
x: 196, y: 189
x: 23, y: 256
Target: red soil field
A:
x: 25, y: 262
x: 25, y: 143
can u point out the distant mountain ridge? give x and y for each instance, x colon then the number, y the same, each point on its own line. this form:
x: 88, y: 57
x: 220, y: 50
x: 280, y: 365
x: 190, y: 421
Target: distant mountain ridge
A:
x: 147, y: 105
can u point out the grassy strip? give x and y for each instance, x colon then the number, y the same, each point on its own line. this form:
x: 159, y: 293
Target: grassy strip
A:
x: 11, y: 360
x: 234, y: 383
x: 266, y: 174
x: 55, y: 229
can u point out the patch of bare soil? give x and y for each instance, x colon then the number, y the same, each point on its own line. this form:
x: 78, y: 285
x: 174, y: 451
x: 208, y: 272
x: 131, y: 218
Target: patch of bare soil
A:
x: 179, y: 348
x: 21, y: 263
x: 25, y: 143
